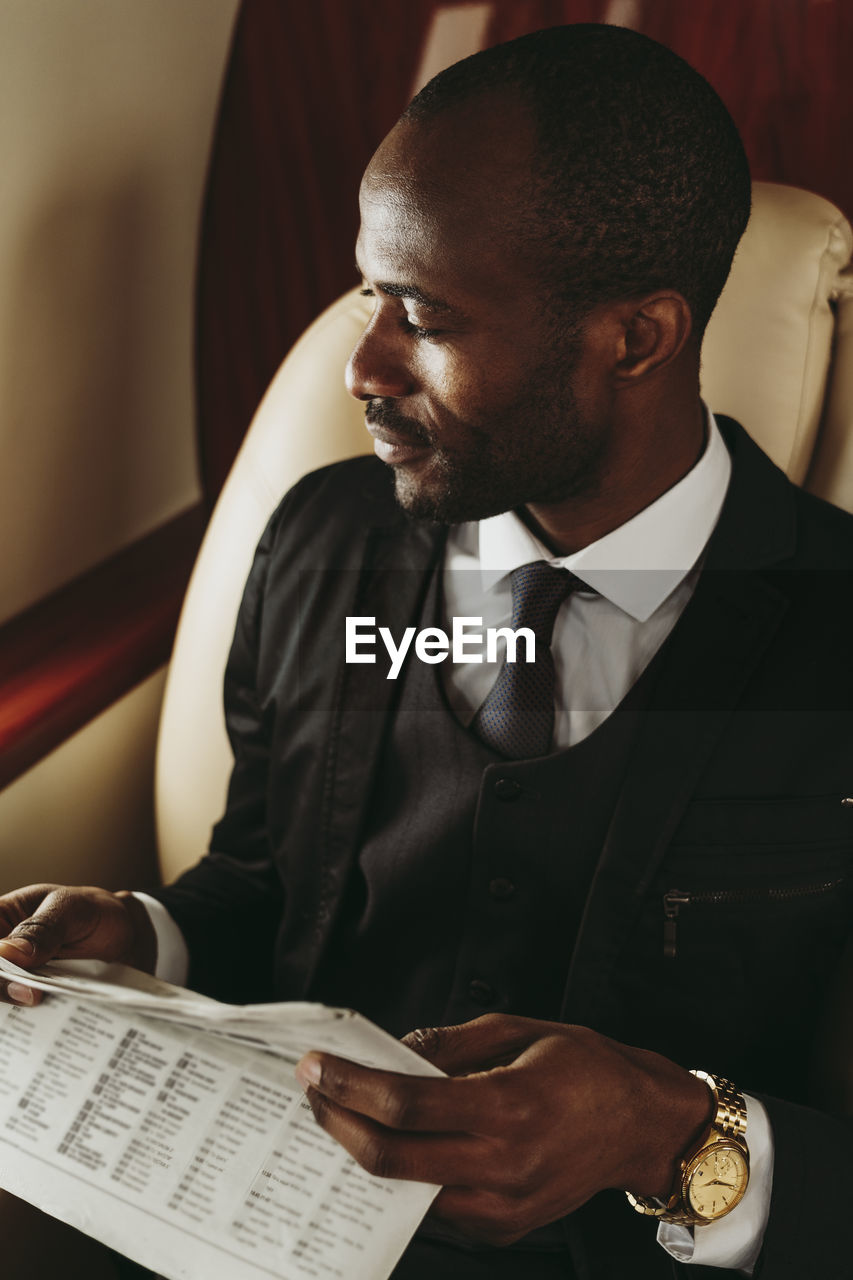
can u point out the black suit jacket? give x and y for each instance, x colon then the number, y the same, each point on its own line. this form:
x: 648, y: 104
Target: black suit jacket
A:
x: 733, y: 799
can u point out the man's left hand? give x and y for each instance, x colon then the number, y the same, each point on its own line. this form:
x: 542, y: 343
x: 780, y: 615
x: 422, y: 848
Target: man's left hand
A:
x: 532, y: 1120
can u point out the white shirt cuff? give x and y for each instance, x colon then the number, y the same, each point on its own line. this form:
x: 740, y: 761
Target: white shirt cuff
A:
x: 735, y: 1241
x: 173, y: 958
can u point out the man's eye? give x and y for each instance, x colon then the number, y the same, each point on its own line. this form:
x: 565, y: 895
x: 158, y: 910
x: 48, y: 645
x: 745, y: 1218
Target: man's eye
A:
x: 416, y: 329
x: 419, y: 331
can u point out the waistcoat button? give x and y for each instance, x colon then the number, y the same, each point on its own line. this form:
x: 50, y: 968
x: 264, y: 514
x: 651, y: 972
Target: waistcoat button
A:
x: 481, y: 993
x: 501, y: 889
x: 507, y: 789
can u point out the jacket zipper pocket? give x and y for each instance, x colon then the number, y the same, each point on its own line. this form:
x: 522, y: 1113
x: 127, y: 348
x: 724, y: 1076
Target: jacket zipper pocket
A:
x: 675, y: 899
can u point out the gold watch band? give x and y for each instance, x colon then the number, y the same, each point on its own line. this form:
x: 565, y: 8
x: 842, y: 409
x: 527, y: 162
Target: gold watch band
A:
x: 730, y: 1117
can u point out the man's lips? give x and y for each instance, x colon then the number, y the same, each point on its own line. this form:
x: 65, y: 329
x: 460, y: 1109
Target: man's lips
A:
x: 394, y: 448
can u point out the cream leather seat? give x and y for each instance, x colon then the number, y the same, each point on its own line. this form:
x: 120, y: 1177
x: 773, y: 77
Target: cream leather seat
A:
x: 778, y: 357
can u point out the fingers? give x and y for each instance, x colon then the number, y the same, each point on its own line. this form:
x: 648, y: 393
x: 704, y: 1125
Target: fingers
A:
x: 20, y: 944
x: 19, y: 949
x: 410, y: 1103
x: 80, y: 922
x: 508, y: 1142
x: 460, y: 1129
x: 417, y: 1157
x: 38, y: 937
x: 487, y: 1042
x: 17, y: 993
x: 18, y: 905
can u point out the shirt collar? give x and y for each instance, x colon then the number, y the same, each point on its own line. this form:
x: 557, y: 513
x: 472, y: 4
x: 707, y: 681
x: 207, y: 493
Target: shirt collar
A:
x: 642, y: 562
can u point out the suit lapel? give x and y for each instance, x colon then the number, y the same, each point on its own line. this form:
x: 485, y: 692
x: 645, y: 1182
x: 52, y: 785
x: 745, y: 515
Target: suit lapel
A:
x: 396, y: 571
x: 701, y: 673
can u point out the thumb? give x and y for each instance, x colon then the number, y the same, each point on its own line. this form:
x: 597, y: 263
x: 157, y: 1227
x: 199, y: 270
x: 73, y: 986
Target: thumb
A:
x: 36, y: 939
x: 487, y: 1042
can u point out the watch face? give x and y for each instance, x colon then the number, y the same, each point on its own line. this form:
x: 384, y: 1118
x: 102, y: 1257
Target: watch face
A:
x: 717, y: 1180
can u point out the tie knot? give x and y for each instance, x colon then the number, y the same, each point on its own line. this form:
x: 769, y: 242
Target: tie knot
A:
x: 538, y: 590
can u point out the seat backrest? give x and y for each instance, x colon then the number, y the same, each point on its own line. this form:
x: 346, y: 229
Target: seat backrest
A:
x: 778, y: 356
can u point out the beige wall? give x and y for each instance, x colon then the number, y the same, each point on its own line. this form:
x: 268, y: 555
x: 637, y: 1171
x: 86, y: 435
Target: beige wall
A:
x: 106, y: 116
x: 106, y: 113
x: 84, y: 814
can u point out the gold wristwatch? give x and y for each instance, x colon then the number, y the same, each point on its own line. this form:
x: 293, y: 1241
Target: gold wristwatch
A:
x: 713, y: 1176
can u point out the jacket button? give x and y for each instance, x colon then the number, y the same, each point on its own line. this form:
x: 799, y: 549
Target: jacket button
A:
x: 501, y: 889
x: 481, y: 993
x: 507, y: 789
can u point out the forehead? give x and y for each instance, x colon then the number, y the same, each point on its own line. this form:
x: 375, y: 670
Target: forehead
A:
x: 450, y: 198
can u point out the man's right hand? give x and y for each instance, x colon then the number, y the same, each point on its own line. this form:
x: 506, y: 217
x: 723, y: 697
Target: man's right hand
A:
x: 49, y: 921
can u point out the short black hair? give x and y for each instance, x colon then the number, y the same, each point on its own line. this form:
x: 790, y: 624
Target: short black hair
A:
x: 642, y: 182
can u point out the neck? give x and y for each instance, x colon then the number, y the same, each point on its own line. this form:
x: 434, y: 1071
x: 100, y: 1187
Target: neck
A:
x: 647, y: 461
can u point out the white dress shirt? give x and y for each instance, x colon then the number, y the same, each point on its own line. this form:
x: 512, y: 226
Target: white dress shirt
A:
x: 643, y: 575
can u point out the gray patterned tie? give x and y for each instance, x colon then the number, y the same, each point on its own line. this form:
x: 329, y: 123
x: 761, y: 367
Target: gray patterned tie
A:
x: 517, y: 717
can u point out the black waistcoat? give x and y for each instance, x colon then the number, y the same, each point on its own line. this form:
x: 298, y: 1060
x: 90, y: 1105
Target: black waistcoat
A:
x: 472, y: 876
x: 473, y: 870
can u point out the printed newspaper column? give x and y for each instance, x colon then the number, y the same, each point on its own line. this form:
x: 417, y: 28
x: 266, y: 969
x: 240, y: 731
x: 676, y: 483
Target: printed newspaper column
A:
x: 195, y: 1155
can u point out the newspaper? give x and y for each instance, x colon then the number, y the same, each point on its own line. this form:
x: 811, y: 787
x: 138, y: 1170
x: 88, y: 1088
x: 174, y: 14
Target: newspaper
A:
x: 172, y: 1128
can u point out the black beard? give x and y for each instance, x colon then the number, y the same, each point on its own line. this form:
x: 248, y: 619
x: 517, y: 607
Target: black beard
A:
x: 482, y: 495
x: 536, y: 449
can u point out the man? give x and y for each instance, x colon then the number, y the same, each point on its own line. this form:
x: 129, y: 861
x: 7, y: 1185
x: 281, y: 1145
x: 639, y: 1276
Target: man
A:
x: 640, y: 840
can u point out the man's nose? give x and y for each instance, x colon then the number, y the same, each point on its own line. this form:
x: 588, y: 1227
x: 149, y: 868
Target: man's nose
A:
x: 377, y: 367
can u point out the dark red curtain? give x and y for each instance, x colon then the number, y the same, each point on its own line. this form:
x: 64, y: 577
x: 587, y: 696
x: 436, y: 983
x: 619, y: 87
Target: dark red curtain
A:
x: 311, y: 88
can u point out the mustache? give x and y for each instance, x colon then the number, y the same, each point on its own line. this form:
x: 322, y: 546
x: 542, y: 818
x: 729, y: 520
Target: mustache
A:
x: 383, y: 413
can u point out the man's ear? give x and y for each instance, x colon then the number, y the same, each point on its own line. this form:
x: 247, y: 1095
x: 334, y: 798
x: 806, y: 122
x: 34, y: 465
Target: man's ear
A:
x: 655, y: 331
